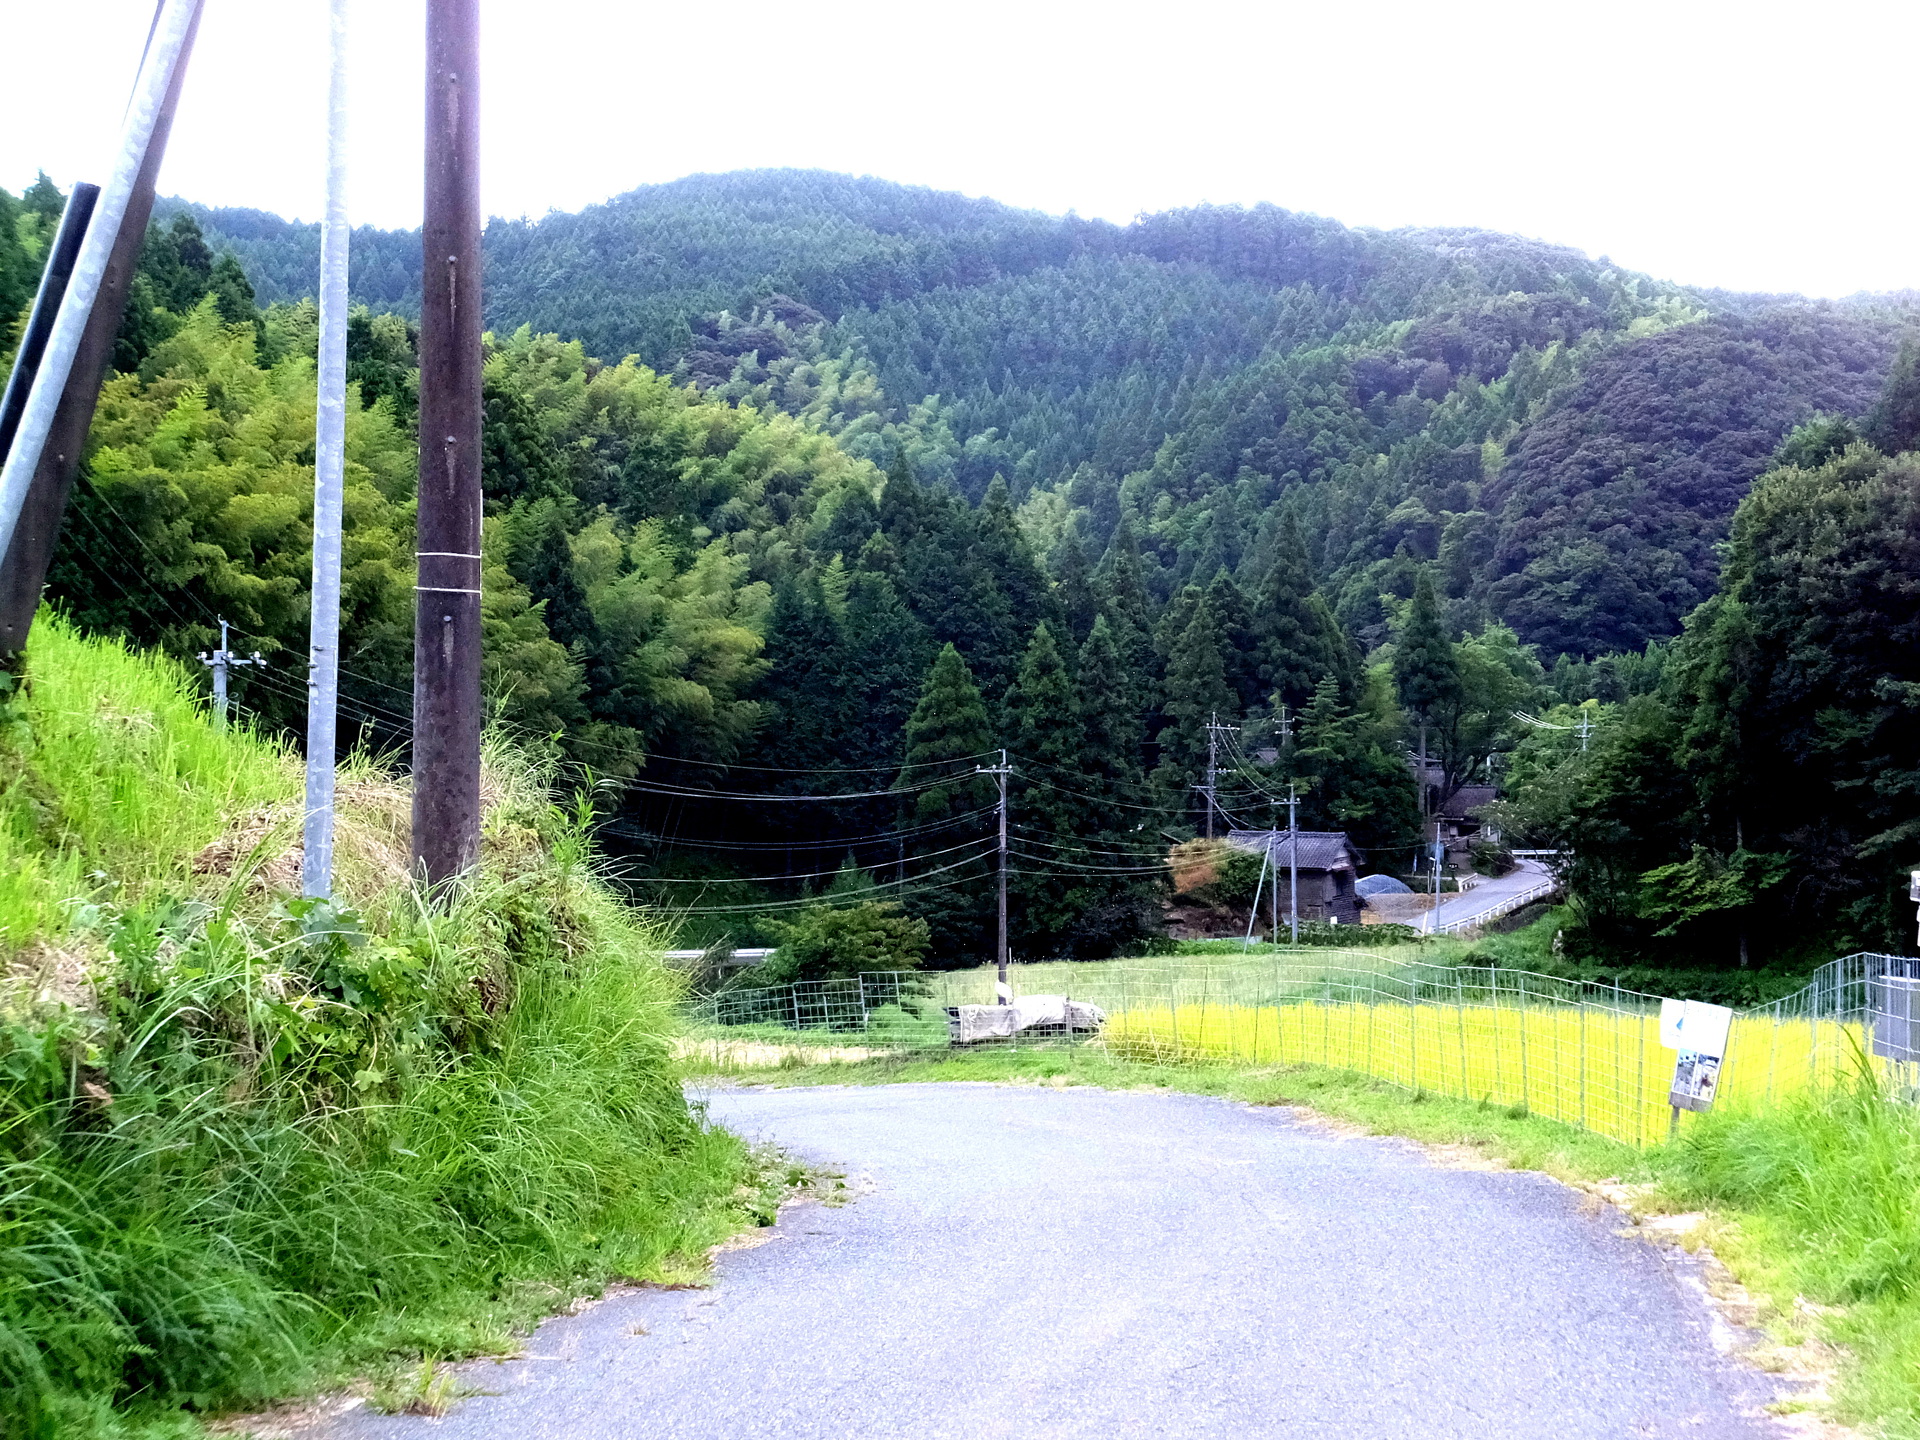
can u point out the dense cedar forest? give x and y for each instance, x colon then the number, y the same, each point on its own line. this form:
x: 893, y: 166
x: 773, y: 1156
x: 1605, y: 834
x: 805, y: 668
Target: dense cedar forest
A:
x: 805, y: 494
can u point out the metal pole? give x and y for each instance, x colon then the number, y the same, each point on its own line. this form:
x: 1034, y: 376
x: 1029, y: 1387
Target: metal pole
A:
x: 1274, y: 898
x: 61, y: 256
x: 330, y: 431
x: 1003, y: 989
x: 1213, y: 767
x: 446, y: 637
x: 1433, y: 915
x: 220, y: 662
x: 1293, y: 860
x: 1253, y: 915
x: 24, y: 562
x: 172, y: 32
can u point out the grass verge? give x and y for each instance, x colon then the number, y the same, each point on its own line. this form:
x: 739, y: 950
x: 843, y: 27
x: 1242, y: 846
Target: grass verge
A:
x: 1813, y: 1204
x: 250, y: 1145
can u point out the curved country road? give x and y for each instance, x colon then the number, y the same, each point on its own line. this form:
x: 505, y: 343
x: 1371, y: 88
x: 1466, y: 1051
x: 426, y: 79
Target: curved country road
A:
x: 1486, y: 899
x: 1035, y: 1262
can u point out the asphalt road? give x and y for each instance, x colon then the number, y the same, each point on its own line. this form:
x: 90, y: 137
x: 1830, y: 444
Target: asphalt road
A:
x: 1076, y: 1263
x: 1489, y: 895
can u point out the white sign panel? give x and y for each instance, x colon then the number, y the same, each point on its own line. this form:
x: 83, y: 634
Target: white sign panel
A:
x: 1692, y: 1025
x: 1699, y: 1032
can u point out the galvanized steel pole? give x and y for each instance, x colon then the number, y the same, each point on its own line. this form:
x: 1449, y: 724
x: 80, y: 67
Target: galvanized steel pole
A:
x: 446, y: 641
x: 172, y: 34
x: 61, y: 256
x: 1005, y: 990
x: 1293, y: 856
x: 329, y: 465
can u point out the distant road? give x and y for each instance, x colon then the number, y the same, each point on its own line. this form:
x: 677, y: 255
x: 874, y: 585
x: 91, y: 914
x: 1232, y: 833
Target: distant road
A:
x: 1487, y: 899
x: 1076, y: 1264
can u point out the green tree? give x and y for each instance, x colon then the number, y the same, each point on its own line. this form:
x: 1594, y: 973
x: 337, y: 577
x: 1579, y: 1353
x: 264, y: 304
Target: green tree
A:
x: 1197, y: 693
x: 1078, y: 601
x: 232, y: 292
x: 1894, y: 424
x: 1230, y: 609
x: 946, y: 736
x: 1425, y: 672
x: 1109, y: 762
x: 1048, y: 739
x: 19, y: 273
x: 830, y: 942
x: 1290, y: 629
x: 1355, y: 780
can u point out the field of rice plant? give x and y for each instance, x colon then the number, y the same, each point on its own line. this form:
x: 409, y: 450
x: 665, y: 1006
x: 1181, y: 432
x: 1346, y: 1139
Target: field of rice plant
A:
x: 1591, y: 1065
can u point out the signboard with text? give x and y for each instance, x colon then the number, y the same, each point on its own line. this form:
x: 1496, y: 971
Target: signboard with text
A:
x: 1698, y: 1032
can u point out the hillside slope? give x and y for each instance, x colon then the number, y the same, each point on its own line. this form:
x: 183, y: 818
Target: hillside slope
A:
x: 1197, y: 370
x: 445, y: 1122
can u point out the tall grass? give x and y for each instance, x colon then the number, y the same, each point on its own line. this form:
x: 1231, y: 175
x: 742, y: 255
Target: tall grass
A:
x: 259, y: 1141
x: 126, y: 782
x: 1828, y: 1189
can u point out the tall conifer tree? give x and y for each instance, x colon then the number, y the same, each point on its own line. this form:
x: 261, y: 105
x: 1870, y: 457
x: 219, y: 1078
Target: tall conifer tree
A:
x: 1077, y: 598
x: 1197, y: 691
x: 1111, y: 729
x: 1047, y: 734
x: 945, y: 735
x: 1123, y: 590
x: 1047, y: 739
x: 1229, y: 605
x: 1425, y: 672
x: 1291, y: 629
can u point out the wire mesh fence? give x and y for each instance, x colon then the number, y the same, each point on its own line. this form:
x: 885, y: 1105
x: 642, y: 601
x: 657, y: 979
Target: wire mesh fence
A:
x: 1586, y: 1054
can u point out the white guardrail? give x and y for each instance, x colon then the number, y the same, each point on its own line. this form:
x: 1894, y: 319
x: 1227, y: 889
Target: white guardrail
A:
x: 1516, y: 901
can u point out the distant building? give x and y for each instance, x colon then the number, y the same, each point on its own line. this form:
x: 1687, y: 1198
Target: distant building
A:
x: 1459, y: 826
x: 1329, y: 866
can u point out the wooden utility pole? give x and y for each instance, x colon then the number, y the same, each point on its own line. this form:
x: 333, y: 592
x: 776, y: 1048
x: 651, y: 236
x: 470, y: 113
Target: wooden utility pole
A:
x: 446, y: 637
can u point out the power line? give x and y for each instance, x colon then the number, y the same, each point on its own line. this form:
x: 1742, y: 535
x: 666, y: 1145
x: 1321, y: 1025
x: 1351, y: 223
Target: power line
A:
x: 777, y: 879
x: 909, y: 881
x: 847, y: 841
x: 694, y: 793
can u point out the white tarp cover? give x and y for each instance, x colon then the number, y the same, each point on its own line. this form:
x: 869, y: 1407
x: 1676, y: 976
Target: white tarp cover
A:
x: 967, y: 1023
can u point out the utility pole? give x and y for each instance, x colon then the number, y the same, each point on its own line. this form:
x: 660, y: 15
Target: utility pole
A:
x: 1213, y: 767
x: 1586, y: 727
x: 1433, y: 915
x: 1212, y: 788
x: 63, y: 358
x: 1293, y: 857
x: 329, y: 460
x: 220, y: 662
x: 446, y: 635
x: 1003, y: 990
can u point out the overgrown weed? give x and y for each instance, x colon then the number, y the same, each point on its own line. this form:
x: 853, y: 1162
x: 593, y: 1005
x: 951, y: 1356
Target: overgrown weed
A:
x: 261, y: 1143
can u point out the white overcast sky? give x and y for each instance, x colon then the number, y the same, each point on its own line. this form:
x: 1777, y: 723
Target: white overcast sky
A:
x: 1754, y: 145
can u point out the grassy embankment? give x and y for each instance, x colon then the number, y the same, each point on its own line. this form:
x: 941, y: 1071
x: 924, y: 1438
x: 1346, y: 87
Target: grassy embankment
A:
x: 1815, y: 1198
x: 248, y: 1147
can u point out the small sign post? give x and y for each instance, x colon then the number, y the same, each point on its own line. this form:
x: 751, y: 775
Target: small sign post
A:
x: 1698, y: 1032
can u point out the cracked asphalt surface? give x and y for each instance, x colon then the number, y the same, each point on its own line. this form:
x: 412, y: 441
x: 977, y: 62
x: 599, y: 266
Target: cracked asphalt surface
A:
x: 1037, y: 1262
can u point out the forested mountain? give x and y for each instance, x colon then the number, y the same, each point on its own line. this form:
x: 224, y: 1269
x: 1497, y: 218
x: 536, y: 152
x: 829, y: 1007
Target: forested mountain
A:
x: 1543, y: 425
x: 889, y: 480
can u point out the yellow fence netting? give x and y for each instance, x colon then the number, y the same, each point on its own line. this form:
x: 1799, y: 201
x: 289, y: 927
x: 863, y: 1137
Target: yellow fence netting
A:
x: 1600, y: 1068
